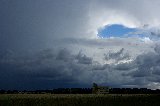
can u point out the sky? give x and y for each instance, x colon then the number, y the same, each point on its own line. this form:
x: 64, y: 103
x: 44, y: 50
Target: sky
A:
x: 73, y: 43
x: 116, y: 30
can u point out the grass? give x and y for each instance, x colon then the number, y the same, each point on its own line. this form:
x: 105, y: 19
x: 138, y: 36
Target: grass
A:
x: 79, y: 100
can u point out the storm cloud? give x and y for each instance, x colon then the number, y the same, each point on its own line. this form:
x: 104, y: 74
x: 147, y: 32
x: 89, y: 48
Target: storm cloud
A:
x: 55, y: 43
x: 66, y: 69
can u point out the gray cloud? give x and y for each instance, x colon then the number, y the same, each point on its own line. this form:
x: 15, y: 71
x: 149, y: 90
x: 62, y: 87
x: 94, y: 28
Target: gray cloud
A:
x: 118, y: 56
x: 124, y: 66
x: 41, y: 23
x: 83, y: 59
x: 64, y: 67
x: 48, y: 65
x: 29, y: 27
x: 146, y: 69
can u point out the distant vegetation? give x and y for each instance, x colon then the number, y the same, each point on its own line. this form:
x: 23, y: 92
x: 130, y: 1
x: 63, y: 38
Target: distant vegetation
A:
x: 85, y: 91
x: 94, y: 90
x: 54, y: 91
x: 95, y: 96
x: 79, y: 100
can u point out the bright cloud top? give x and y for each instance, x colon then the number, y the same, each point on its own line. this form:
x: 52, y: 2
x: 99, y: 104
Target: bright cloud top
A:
x: 132, y: 14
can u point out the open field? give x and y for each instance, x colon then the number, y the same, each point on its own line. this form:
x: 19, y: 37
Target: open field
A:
x: 79, y: 100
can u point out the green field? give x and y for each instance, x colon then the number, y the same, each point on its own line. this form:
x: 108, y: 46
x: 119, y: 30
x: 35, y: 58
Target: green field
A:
x: 79, y: 100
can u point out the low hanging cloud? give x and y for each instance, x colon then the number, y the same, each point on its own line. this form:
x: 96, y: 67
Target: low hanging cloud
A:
x: 146, y: 69
x: 118, y: 56
x: 62, y: 68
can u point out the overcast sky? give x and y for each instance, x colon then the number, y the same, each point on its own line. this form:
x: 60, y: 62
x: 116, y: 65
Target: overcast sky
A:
x: 47, y: 44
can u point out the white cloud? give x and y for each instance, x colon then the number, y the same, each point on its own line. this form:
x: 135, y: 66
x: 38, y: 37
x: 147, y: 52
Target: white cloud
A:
x: 130, y: 13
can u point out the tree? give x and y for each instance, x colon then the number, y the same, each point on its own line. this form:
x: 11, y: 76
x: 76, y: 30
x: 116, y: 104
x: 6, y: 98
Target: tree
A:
x: 95, y: 88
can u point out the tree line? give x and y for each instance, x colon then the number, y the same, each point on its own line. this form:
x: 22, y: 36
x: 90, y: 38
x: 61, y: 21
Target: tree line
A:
x: 83, y: 91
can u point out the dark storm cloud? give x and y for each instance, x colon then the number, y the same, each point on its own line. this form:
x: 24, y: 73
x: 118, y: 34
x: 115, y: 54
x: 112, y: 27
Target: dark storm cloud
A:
x: 146, y: 65
x: 45, y: 65
x: 146, y: 69
x: 118, y: 56
x: 100, y: 67
x: 28, y: 28
x: 48, y: 65
x: 83, y: 59
x: 62, y: 68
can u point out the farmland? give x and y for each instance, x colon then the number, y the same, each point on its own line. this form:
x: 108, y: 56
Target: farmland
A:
x: 79, y: 100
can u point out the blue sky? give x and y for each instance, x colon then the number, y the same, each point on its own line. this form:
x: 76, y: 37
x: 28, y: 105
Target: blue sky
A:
x: 115, y: 30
